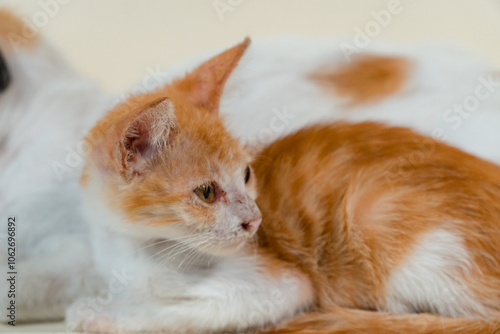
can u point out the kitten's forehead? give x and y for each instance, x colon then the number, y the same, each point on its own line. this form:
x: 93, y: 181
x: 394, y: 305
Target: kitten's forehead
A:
x: 209, y: 139
x: 204, y: 151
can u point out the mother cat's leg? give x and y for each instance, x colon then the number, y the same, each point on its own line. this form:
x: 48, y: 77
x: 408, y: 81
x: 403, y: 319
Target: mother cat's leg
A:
x: 41, y: 111
x: 46, y: 284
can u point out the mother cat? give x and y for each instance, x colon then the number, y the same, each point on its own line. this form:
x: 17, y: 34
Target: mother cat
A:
x: 357, y: 220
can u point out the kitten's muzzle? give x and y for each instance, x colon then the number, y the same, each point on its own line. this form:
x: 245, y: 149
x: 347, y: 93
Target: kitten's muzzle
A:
x: 251, y: 226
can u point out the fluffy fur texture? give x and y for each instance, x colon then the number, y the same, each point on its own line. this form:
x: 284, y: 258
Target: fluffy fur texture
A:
x: 373, y: 233
x: 44, y: 112
x: 118, y: 252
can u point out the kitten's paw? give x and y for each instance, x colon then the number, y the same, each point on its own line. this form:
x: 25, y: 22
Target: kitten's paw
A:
x: 101, y: 324
x: 81, y: 318
x: 94, y: 324
x: 88, y: 317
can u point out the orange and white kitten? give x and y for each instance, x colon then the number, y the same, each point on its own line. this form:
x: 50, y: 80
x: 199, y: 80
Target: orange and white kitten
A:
x: 170, y: 200
x: 361, y: 224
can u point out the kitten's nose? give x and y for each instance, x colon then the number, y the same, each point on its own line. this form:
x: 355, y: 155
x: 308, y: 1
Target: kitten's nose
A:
x: 251, y: 226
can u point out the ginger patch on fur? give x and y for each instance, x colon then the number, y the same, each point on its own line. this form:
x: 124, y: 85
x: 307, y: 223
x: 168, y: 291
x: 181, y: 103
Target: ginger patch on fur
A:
x: 365, y: 79
x: 15, y: 32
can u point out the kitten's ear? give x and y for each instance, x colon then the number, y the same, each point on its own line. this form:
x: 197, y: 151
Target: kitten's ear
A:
x: 205, y: 84
x: 148, y: 133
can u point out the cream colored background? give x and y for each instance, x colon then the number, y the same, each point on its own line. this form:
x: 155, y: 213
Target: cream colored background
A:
x: 116, y: 41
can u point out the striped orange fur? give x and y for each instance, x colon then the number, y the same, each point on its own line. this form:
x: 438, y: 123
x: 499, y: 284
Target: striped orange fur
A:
x: 347, y: 204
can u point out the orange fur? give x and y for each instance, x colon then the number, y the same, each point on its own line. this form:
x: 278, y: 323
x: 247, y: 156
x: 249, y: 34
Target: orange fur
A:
x: 213, y: 73
x: 349, y: 321
x: 367, y: 79
x: 346, y: 203
x: 14, y: 31
x: 196, y: 141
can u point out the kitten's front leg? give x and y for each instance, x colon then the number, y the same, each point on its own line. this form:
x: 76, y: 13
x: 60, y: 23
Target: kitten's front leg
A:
x: 182, y: 317
x: 199, y: 316
x: 233, y: 298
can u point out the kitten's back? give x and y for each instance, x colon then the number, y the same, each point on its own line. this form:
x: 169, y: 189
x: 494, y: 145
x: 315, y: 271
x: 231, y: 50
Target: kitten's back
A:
x: 352, y: 203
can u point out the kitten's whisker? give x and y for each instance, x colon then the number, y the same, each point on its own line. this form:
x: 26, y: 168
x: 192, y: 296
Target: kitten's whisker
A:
x: 198, y: 253
x: 179, y: 249
x: 183, y: 238
x: 173, y: 247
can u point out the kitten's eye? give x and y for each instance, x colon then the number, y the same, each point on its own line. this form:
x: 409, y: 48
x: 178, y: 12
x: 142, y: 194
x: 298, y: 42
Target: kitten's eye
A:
x: 206, y: 192
x: 247, y: 174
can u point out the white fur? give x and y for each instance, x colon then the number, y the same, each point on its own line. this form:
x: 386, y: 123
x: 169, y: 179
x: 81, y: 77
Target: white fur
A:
x: 48, y: 108
x: 45, y: 109
x: 274, y: 76
x: 432, y: 279
x: 169, y: 282
x: 201, y: 294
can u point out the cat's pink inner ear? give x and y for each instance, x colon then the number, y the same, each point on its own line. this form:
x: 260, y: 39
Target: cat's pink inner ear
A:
x: 205, y: 84
x: 138, y: 146
x: 146, y: 135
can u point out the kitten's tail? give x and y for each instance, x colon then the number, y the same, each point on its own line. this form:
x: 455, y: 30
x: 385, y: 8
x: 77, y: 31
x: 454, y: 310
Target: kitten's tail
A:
x: 343, y: 321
